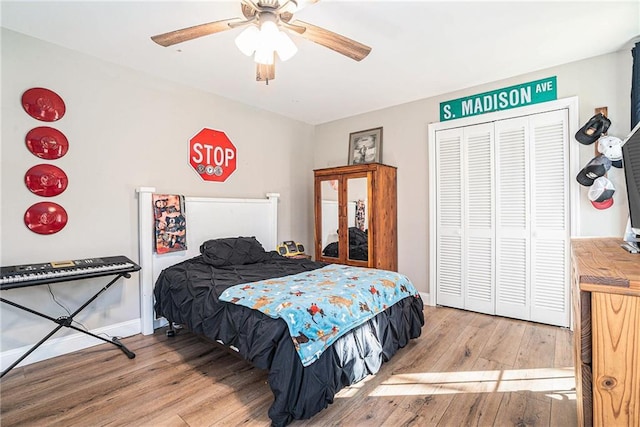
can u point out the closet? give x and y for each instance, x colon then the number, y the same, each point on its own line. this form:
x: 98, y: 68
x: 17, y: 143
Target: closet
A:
x: 356, y: 216
x: 502, y: 217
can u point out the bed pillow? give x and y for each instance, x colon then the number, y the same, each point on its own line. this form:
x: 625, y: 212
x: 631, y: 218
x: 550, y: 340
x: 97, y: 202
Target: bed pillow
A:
x: 232, y: 251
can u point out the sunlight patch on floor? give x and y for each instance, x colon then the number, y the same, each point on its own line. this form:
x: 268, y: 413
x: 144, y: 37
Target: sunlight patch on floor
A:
x: 557, y: 383
x: 354, y: 389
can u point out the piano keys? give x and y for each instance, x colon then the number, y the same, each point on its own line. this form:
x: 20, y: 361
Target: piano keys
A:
x: 18, y: 276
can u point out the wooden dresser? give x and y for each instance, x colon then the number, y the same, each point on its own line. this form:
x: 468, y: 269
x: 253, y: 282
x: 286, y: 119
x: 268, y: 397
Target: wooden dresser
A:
x: 606, y: 316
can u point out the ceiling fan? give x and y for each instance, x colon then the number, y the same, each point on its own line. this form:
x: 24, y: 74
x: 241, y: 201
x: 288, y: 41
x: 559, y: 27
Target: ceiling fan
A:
x: 268, y: 22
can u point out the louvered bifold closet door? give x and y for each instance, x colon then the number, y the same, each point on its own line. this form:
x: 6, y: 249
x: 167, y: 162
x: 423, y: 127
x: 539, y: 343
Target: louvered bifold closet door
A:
x: 512, y: 218
x: 478, y: 218
x: 550, y: 232
x: 449, y: 236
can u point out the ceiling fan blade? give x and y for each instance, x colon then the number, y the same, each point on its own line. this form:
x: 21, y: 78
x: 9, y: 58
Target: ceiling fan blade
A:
x: 296, y: 28
x: 185, y: 34
x: 265, y: 72
x: 334, y: 41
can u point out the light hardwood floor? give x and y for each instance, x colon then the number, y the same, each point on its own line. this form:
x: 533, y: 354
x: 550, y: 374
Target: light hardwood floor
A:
x: 466, y: 369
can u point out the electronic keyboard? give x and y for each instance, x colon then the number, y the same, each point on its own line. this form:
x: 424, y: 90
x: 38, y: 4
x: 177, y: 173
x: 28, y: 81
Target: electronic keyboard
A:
x: 18, y: 276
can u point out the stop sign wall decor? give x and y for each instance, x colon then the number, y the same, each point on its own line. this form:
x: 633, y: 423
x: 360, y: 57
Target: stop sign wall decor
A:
x: 212, y: 155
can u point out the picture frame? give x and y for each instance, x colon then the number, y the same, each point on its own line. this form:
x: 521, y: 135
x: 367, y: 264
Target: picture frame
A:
x: 365, y: 146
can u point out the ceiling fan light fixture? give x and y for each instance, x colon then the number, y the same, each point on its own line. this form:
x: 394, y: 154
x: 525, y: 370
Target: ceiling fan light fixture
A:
x: 269, y: 32
x: 264, y: 56
x: 286, y: 48
x: 273, y: 40
x: 266, y: 40
x: 247, y: 41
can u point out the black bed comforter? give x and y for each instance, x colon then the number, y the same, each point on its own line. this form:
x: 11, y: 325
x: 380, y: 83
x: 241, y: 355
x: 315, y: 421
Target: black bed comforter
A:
x: 358, y: 246
x: 187, y: 294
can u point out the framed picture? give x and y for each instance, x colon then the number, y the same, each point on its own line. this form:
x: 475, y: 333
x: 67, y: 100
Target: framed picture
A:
x: 365, y: 146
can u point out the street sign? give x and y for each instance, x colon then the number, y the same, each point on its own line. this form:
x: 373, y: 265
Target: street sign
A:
x: 502, y: 99
x: 212, y: 155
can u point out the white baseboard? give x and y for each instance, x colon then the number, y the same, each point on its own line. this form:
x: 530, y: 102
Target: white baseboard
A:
x: 425, y: 297
x: 58, y: 346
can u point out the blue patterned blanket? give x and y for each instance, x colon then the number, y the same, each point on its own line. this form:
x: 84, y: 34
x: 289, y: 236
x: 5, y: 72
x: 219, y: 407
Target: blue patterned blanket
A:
x: 320, y: 306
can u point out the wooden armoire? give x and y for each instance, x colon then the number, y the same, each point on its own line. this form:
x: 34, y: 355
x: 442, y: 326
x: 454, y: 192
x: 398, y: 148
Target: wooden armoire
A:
x: 356, y: 216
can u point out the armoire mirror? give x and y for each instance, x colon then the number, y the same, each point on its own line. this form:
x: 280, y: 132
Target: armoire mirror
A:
x: 357, y: 219
x: 329, y: 217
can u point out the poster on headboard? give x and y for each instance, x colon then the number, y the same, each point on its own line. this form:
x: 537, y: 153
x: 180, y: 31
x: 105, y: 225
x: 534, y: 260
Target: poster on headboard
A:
x: 170, y: 223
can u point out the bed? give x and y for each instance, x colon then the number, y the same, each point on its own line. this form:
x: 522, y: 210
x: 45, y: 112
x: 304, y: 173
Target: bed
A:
x: 196, y: 289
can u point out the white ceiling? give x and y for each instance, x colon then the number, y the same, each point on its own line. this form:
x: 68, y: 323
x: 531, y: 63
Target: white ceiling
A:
x: 419, y: 49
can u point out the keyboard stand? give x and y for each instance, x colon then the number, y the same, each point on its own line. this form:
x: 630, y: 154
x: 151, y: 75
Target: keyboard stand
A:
x: 66, y: 322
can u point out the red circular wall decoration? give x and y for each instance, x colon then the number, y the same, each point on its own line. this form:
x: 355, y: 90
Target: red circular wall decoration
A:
x: 43, y: 104
x: 45, y: 218
x: 46, y: 180
x: 47, y: 143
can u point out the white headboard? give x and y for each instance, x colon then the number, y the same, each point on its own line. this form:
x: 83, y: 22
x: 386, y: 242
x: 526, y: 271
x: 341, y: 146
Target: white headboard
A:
x: 207, y: 218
